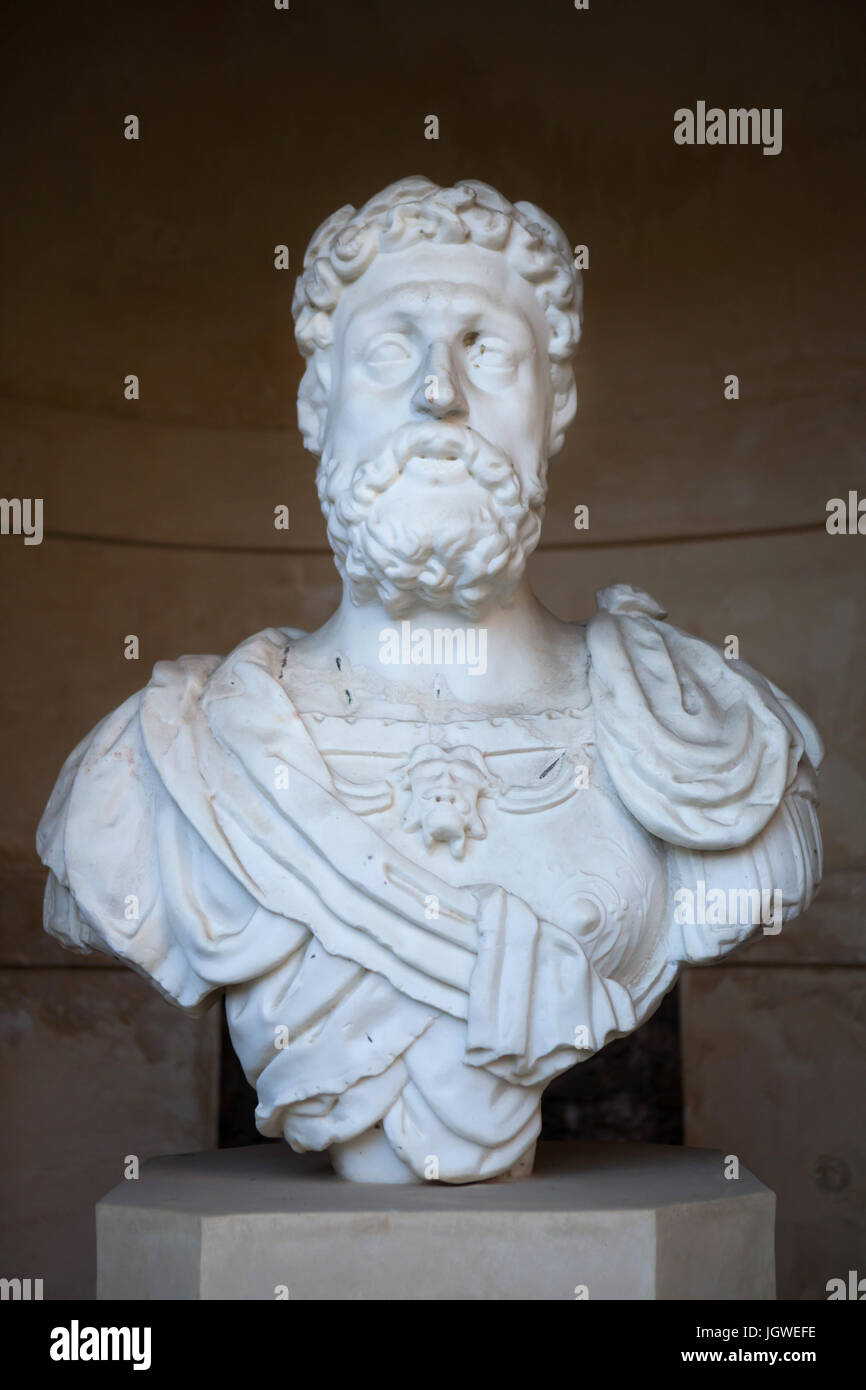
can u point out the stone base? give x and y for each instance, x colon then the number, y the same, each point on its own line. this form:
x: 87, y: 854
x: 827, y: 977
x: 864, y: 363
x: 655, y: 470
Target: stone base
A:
x: 613, y: 1221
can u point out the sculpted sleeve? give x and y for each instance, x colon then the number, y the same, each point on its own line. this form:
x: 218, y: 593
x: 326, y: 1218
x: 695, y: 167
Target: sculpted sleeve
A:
x: 714, y: 760
x: 131, y: 876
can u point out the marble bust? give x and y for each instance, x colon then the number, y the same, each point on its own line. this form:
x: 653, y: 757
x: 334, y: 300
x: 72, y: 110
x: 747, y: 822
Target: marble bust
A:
x: 447, y: 846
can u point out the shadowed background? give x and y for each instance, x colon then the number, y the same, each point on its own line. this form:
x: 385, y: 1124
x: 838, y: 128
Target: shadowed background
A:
x: 156, y: 257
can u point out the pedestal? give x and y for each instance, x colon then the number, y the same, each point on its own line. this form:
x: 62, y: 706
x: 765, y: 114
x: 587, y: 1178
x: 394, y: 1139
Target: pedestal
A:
x: 597, y: 1221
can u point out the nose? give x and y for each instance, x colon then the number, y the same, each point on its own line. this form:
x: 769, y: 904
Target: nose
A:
x: 439, y: 393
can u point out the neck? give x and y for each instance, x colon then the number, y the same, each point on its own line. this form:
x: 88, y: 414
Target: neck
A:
x: 508, y: 649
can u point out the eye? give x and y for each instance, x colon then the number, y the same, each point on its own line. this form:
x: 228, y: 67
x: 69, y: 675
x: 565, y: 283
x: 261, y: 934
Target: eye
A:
x: 388, y: 350
x: 488, y: 354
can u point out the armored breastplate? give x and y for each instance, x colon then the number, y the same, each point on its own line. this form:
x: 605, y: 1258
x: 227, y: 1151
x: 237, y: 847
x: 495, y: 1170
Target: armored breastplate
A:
x: 517, y: 801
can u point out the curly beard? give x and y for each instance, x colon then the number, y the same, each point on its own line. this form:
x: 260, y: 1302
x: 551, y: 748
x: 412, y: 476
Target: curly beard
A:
x: 460, y: 547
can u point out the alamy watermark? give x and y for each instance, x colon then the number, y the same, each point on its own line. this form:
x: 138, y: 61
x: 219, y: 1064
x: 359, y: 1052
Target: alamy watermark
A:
x: 77, y: 1343
x: 438, y: 646
x: 739, y: 125
x: 846, y: 516
x: 20, y: 1290
x: 717, y: 907
x: 22, y: 516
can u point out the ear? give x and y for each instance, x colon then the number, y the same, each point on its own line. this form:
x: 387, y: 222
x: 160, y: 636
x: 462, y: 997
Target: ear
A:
x: 564, y: 407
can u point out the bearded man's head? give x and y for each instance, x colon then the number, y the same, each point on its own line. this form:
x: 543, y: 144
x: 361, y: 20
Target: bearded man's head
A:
x: 438, y: 325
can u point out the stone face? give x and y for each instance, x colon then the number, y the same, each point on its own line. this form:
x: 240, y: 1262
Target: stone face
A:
x: 596, y: 1221
x: 446, y: 846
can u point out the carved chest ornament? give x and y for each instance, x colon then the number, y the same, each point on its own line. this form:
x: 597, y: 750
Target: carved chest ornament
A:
x: 443, y: 785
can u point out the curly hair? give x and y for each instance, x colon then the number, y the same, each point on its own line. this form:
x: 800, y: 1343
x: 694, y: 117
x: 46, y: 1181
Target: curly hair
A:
x: 407, y: 213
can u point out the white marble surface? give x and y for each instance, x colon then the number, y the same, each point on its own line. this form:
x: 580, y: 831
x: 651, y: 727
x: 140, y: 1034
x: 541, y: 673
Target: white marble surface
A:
x: 445, y: 846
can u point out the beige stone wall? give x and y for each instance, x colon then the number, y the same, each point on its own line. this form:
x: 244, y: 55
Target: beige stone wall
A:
x: 773, y: 1058
x: 157, y: 258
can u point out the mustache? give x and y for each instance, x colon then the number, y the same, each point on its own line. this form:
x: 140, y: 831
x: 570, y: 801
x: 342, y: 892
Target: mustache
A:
x: 437, y: 441
x: 489, y: 465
